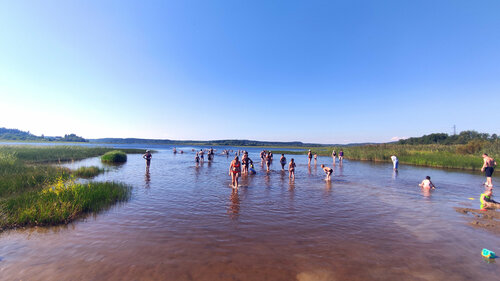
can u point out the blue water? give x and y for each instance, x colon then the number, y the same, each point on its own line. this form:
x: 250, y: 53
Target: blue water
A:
x: 184, y: 222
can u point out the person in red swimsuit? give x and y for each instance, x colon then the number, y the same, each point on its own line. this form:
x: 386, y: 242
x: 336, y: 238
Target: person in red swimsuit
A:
x: 234, y: 171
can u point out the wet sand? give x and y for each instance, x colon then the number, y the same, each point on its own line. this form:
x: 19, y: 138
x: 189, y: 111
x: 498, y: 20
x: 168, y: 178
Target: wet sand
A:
x: 489, y: 219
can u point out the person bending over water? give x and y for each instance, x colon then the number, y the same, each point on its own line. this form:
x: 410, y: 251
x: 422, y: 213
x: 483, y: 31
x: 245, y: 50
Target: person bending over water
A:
x: 283, y: 162
x: 487, y: 202
x: 427, y: 184
x: 328, y: 171
x: 291, y: 169
x: 395, y: 162
x: 234, y: 171
x: 488, y: 168
x: 148, y: 157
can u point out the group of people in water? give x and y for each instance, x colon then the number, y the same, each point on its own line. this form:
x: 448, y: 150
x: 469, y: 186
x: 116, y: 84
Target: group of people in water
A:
x: 245, y: 167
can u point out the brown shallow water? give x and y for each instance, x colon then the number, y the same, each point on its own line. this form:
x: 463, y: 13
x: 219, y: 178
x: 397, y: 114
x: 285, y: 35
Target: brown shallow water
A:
x: 185, y: 223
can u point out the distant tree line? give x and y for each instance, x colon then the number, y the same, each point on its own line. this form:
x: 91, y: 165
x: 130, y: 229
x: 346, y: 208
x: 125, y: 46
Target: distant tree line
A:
x: 18, y: 135
x: 442, y: 138
x: 208, y: 143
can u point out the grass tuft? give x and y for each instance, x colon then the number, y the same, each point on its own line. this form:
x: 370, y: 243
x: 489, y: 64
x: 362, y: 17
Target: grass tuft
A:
x: 60, y: 203
x: 115, y: 156
x: 88, y: 172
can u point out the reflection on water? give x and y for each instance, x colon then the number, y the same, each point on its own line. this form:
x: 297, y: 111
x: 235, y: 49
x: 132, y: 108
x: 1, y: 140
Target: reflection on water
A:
x: 184, y: 222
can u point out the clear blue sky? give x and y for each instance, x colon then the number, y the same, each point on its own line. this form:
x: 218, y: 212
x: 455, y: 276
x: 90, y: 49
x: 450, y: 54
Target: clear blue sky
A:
x: 313, y: 71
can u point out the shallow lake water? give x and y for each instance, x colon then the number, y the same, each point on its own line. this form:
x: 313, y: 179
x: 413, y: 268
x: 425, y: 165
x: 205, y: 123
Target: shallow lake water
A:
x: 184, y: 222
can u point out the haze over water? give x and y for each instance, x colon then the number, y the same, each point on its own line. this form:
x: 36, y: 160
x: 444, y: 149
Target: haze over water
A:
x: 185, y: 223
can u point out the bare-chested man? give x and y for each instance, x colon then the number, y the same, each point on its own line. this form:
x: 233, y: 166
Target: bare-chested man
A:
x: 488, y: 168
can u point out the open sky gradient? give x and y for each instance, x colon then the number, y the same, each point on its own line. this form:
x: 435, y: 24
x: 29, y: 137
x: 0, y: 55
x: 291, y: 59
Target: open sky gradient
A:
x: 313, y: 71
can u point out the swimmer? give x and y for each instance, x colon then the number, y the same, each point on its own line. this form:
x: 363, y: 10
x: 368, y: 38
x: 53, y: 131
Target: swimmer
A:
x: 395, y: 162
x: 270, y: 155
x: 488, y: 168
x: 328, y: 171
x: 148, y: 157
x: 268, y: 161
x: 334, y: 156
x: 309, y: 155
x: 283, y: 161
x: 341, y: 155
x: 175, y: 150
x: 234, y: 171
x: 427, y: 184
x: 487, y: 202
x: 291, y: 169
x: 197, y: 158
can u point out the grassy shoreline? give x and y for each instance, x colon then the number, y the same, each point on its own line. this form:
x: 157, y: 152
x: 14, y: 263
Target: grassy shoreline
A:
x: 465, y: 157
x: 33, y: 192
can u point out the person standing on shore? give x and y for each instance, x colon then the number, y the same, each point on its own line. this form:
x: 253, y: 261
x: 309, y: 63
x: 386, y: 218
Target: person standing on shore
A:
x: 341, y: 156
x: 234, y: 171
x: 283, y: 162
x: 488, y: 169
x: 310, y: 156
x: 328, y: 171
x: 291, y: 169
x: 395, y: 162
x: 148, y: 157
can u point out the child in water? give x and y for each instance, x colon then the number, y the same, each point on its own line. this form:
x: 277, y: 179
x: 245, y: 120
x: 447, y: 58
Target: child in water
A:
x: 487, y: 202
x: 197, y: 158
x: 427, y: 184
x: 328, y: 171
x: 291, y: 169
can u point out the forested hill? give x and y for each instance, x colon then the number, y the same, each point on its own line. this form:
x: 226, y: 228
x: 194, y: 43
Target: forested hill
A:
x: 441, y: 138
x: 210, y: 142
x: 18, y: 135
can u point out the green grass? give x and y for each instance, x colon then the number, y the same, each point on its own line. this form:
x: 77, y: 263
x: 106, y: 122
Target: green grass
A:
x: 466, y: 156
x: 60, y: 204
x: 115, y: 156
x: 17, y: 177
x: 33, y: 192
x: 87, y: 172
x: 46, y: 154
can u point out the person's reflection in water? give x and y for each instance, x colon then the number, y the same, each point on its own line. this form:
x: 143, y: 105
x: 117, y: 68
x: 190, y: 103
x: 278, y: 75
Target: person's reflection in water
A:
x: 309, y: 169
x: 291, y: 184
x: 234, y: 208
x: 394, y: 174
x: 328, y: 185
x: 426, y: 192
x: 147, y: 179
